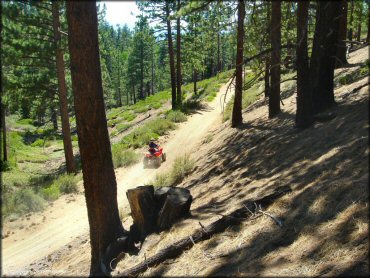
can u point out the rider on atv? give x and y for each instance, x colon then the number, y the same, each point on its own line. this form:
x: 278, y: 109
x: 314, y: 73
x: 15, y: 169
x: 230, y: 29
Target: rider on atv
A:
x: 153, y: 145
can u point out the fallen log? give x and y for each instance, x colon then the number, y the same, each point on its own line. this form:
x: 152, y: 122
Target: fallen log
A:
x: 204, y: 233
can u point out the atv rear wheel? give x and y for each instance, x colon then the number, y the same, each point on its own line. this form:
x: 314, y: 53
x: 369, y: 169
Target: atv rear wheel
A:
x: 158, y: 161
x: 163, y: 157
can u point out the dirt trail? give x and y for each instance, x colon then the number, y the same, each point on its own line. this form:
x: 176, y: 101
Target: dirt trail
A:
x: 63, y: 225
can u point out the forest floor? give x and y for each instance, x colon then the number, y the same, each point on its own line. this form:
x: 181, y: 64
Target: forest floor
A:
x: 325, y: 217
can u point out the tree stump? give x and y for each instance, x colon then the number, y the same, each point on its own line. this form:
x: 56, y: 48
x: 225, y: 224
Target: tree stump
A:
x: 176, y: 205
x: 143, y: 209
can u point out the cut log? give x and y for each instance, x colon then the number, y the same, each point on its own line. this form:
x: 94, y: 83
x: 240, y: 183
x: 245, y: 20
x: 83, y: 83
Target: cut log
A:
x: 160, y: 196
x: 143, y: 210
x: 176, y: 205
x: 218, y: 226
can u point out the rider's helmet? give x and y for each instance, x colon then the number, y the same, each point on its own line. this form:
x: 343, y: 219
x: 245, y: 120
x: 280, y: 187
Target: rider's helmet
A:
x: 152, y: 139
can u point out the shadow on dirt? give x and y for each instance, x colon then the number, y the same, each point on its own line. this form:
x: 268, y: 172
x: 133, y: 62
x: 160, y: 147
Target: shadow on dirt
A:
x: 327, y: 168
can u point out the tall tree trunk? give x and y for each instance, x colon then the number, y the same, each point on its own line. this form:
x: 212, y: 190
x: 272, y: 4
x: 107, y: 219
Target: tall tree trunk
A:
x: 274, y: 98
x: 237, y: 117
x: 195, y: 77
x: 63, y: 102
x: 359, y: 23
x: 142, y: 96
x: 350, y: 31
x: 54, y: 118
x: 268, y: 55
x: 152, y: 81
x: 178, y: 58
x: 119, y: 84
x: 342, y: 33
x: 172, y: 60
x: 304, y: 115
x: 368, y: 23
x: 3, y: 127
x: 97, y: 166
x: 134, y: 93
x: 322, y: 59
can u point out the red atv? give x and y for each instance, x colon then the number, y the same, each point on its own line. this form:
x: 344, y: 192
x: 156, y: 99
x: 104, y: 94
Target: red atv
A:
x: 154, y: 157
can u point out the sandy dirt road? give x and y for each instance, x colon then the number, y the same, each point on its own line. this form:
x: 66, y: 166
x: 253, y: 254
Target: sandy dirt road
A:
x: 38, y: 236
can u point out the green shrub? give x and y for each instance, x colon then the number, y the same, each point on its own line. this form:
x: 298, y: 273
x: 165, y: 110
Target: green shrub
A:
x: 123, y: 157
x: 160, y: 126
x: 74, y: 138
x: 51, y: 193
x: 66, y: 183
x: 123, y: 127
x: 141, y: 109
x: 25, y: 200
x: 38, y: 143
x: 25, y: 121
x: 176, y: 116
x: 128, y: 116
x: 161, y: 179
x: 181, y: 167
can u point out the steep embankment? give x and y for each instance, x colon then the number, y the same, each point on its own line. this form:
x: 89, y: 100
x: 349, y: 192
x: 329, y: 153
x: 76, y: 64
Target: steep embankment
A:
x: 55, y: 241
x: 325, y: 218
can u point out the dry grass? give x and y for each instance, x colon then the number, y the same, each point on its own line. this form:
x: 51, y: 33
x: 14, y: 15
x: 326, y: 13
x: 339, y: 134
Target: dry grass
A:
x: 325, y: 218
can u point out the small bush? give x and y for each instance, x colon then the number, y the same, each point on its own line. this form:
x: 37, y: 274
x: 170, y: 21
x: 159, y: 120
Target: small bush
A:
x: 66, y: 183
x: 161, y: 179
x: 74, y: 138
x: 123, y: 157
x: 51, y: 193
x: 128, y: 116
x: 160, y: 126
x: 25, y: 121
x: 25, y: 200
x: 123, y: 127
x: 176, y: 116
x: 181, y: 167
x: 38, y: 143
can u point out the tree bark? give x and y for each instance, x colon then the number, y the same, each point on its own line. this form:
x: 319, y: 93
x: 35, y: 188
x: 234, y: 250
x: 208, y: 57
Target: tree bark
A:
x: 54, y: 118
x: 350, y: 31
x: 342, y: 33
x: 3, y: 127
x: 178, y: 58
x: 304, y: 115
x: 97, y: 166
x: 268, y: 56
x: 237, y: 117
x: 323, y: 55
x: 359, y: 23
x: 171, y: 56
x: 195, y: 77
x: 368, y: 23
x: 143, y: 212
x: 274, y: 98
x: 63, y: 102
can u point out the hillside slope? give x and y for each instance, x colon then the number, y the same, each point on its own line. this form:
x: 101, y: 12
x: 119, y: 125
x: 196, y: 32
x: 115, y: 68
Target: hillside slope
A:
x: 325, y: 217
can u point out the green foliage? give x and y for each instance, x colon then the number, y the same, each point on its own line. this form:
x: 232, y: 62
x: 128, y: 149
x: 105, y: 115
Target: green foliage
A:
x: 38, y: 143
x: 175, y: 116
x: 123, y: 157
x: 141, y: 136
x: 67, y: 183
x: 123, y: 127
x: 22, y: 201
x: 51, y: 193
x: 182, y: 167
